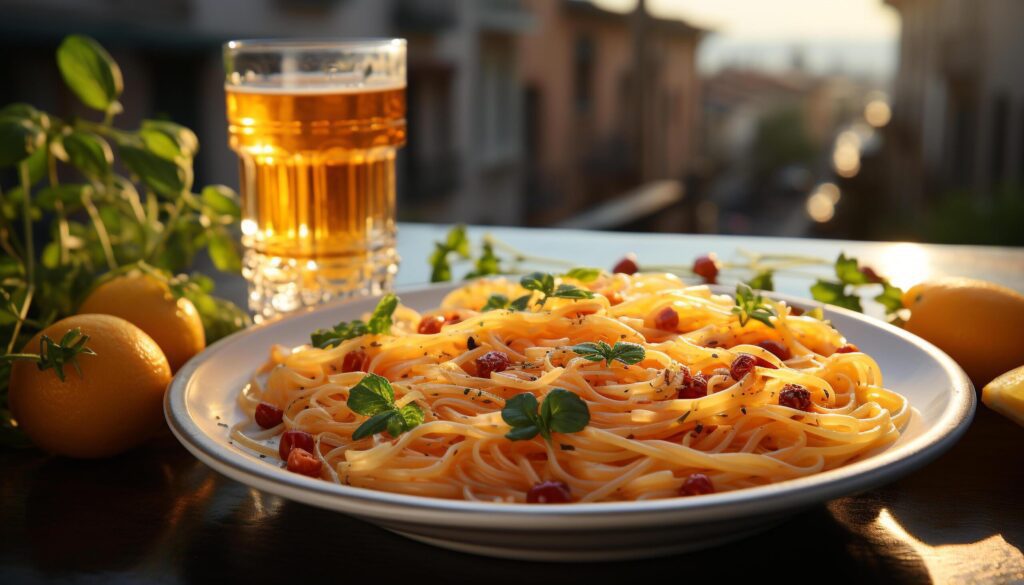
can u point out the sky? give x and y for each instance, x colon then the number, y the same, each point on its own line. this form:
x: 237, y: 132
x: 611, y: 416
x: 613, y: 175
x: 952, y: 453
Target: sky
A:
x: 850, y: 36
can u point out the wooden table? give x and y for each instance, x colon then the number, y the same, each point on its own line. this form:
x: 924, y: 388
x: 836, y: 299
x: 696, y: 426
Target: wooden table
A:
x: 157, y: 515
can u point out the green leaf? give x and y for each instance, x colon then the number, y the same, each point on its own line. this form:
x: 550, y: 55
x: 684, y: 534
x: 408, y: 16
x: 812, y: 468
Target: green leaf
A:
x: 19, y: 138
x: 411, y: 415
x: 51, y: 255
x: 375, y: 424
x: 90, y: 72
x: 520, y: 303
x: 628, y: 353
x: 457, y: 241
x: 584, y: 274
x: 165, y: 177
x: 487, y: 264
x: 594, y: 352
x: 834, y: 293
x: 564, y: 411
x: 523, y: 433
x: 538, y: 281
x: 223, y: 200
x: 568, y: 291
x: 380, y: 319
x: 323, y: 338
x: 223, y: 251
x: 891, y: 297
x: 440, y: 268
x: 751, y: 305
x: 762, y: 281
x: 89, y: 153
x: 168, y: 140
x: 495, y: 301
x: 520, y: 410
x: 372, y: 395
x: 848, y: 271
x: 68, y: 194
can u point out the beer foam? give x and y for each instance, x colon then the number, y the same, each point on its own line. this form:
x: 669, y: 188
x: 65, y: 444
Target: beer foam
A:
x: 314, y: 85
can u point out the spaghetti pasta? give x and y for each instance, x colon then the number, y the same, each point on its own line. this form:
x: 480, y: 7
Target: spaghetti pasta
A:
x: 686, y: 418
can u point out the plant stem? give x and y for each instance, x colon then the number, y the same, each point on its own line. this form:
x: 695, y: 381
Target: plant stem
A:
x: 26, y: 218
x: 101, y: 230
x: 168, y: 228
x: 520, y: 256
x: 10, y: 357
x: 29, y: 292
x: 63, y: 231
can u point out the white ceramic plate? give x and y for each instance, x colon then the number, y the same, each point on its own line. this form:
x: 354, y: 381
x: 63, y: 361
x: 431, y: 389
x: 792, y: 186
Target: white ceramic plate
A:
x: 201, y: 404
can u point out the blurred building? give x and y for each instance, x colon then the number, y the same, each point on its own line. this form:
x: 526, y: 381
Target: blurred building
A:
x: 611, y: 102
x: 958, y: 110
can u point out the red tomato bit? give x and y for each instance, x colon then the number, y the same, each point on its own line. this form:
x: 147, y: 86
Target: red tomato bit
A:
x: 795, y: 396
x: 268, y: 415
x: 549, y: 492
x: 696, y: 485
x: 353, y: 361
x: 848, y: 348
x: 295, y: 440
x: 777, y: 349
x: 627, y: 265
x: 431, y: 324
x: 305, y: 463
x: 492, y: 361
x: 706, y: 268
x: 667, y: 319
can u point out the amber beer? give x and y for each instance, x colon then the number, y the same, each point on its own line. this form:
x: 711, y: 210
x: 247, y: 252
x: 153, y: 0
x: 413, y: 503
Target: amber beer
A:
x: 317, y: 176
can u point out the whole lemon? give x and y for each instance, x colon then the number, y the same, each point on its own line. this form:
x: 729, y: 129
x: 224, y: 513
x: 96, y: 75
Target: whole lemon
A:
x: 112, y: 404
x: 979, y: 324
x: 149, y: 305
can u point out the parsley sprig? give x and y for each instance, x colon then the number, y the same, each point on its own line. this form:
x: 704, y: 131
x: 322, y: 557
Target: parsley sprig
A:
x: 374, y: 397
x: 457, y: 242
x: 751, y: 305
x: 623, y: 351
x: 561, y: 412
x: 850, y: 276
x: 544, y: 283
x: 379, y: 324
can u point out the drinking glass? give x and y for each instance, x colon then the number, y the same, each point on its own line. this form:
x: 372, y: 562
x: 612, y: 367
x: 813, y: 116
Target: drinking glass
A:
x: 316, y: 125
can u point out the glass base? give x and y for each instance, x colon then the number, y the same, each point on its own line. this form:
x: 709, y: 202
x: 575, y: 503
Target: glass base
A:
x: 280, y: 285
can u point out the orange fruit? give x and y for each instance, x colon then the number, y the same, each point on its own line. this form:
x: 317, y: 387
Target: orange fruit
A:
x: 1005, y: 395
x: 149, y: 305
x: 979, y: 324
x: 115, y: 403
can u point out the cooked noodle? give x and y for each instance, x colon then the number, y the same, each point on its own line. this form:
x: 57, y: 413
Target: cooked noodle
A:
x: 642, y: 441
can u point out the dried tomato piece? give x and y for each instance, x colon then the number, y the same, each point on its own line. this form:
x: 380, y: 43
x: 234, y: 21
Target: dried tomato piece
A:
x: 696, y: 485
x: 795, y: 396
x: 667, y: 319
x: 492, y: 361
x: 549, y: 492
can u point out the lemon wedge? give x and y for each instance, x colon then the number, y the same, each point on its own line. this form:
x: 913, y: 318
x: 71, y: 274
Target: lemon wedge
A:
x: 1005, y: 395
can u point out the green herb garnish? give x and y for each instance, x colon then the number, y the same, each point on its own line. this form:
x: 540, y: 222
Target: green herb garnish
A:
x: 623, y: 351
x: 561, y: 412
x: 379, y: 324
x: 762, y: 281
x: 374, y: 397
x: 56, y: 355
x: 751, y: 305
x: 545, y: 284
x: 495, y: 301
x: 488, y: 264
x: 457, y: 242
x: 584, y: 274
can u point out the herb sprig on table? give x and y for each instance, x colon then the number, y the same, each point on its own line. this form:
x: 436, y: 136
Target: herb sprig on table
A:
x: 63, y: 193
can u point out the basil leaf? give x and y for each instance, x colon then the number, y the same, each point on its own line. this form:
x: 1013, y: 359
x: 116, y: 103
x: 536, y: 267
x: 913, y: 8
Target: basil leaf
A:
x: 495, y: 301
x: 223, y: 251
x: 440, y: 269
x: 222, y: 200
x: 520, y: 303
x: 19, y: 138
x: 372, y: 395
x: 848, y: 271
x: 538, y: 281
x: 891, y: 297
x: 520, y: 410
x: 90, y: 72
x: 584, y: 274
x: 168, y: 140
x: 762, y: 281
x: 594, y: 352
x: 343, y: 331
x: 380, y: 319
x: 487, y: 264
x: 89, y: 153
x: 628, y: 353
x: 375, y: 424
x: 457, y: 241
x: 411, y: 415
x: 164, y: 177
x: 523, y: 433
x: 568, y: 291
x: 564, y: 411
x: 835, y: 293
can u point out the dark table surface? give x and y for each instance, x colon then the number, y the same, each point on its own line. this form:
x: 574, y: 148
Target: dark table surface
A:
x: 157, y: 515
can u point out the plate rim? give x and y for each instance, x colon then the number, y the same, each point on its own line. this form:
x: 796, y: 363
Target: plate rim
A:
x: 846, y: 480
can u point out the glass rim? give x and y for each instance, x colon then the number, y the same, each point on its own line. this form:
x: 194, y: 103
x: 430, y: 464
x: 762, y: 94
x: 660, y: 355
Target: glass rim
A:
x: 314, y: 43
